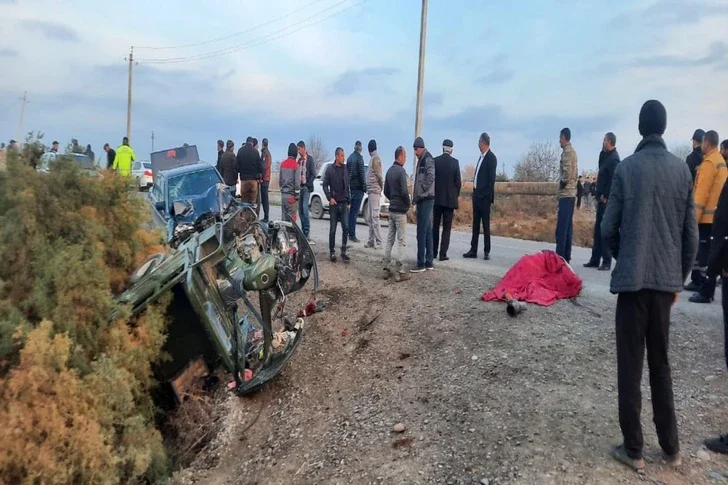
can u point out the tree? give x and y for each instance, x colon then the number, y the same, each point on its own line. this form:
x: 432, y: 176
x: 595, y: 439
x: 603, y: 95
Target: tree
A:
x: 540, y: 164
x: 682, y: 151
x: 502, y: 176
x: 316, y: 147
x: 468, y: 173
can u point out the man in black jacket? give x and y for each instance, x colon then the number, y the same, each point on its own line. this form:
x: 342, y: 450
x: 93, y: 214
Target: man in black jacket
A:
x: 110, y: 156
x: 717, y: 265
x: 358, y: 186
x: 483, y: 196
x: 251, y: 168
x: 607, y: 166
x: 396, y: 190
x: 336, y: 190
x: 447, y: 192
x: 696, y: 157
x: 308, y: 175
x: 228, y: 167
x: 220, y: 151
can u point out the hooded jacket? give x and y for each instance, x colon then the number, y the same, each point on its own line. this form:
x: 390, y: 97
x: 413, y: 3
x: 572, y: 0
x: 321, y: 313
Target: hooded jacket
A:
x: 424, y: 188
x: 709, y: 182
x: 375, y: 179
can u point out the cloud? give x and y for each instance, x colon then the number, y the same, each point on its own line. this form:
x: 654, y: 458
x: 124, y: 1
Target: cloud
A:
x: 8, y: 52
x: 497, y: 76
x: 717, y: 53
x: 51, y: 30
x: 670, y: 12
x: 352, y: 81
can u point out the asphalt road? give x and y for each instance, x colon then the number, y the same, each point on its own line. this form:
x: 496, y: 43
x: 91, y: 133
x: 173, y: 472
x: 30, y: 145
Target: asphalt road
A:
x: 504, y: 253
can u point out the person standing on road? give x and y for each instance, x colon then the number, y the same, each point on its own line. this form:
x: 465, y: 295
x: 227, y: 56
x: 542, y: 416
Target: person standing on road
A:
x: 124, y: 158
x: 651, y: 226
x: 375, y: 184
x: 423, y: 195
x: 608, y: 164
x: 289, y: 182
x: 483, y: 197
x: 250, y: 168
x: 447, y: 192
x: 709, y: 182
x: 228, y: 167
x: 567, y: 196
x: 110, y: 156
x: 308, y: 175
x: 357, y: 184
x: 587, y: 192
x: 220, y: 152
x: 396, y: 190
x: 695, y: 158
x: 718, y: 264
x: 336, y: 189
x: 265, y: 184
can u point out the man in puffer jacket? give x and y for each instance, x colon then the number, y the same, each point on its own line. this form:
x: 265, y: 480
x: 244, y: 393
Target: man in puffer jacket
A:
x: 709, y: 182
x: 375, y: 185
x: 357, y: 186
x: 424, y: 197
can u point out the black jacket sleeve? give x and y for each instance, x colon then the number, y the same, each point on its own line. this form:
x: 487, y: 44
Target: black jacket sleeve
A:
x: 261, y: 164
x: 718, y: 256
x: 362, y: 172
x: 327, y: 183
x: 491, y: 174
x: 310, y: 173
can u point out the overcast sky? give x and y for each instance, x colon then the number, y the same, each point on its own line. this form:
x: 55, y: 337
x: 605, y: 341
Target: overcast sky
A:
x: 519, y: 70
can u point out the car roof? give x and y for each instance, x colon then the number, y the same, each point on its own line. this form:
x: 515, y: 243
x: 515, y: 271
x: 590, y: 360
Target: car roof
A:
x: 193, y: 167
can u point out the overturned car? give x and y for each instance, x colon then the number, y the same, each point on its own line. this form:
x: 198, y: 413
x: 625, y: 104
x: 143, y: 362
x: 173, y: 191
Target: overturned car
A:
x: 220, y: 257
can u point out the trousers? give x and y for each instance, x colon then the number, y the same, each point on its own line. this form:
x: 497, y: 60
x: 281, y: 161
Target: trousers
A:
x: 338, y: 214
x: 424, y: 233
x: 397, y: 232
x: 303, y: 211
x: 481, y: 215
x: 375, y: 224
x: 444, y: 215
x: 565, y: 227
x: 601, y: 250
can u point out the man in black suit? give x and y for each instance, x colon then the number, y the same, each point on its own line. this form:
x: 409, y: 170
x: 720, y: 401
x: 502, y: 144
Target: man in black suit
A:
x: 447, y: 191
x: 483, y: 196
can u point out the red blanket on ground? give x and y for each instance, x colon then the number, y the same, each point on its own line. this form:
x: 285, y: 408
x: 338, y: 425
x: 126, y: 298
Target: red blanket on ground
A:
x: 539, y: 278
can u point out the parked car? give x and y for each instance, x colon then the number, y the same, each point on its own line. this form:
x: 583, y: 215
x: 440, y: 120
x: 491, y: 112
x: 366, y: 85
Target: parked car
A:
x: 86, y: 164
x: 319, y: 205
x: 142, y: 171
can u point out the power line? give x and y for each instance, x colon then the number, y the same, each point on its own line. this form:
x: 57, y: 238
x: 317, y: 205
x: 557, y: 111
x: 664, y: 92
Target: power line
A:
x: 236, y: 34
x: 279, y: 34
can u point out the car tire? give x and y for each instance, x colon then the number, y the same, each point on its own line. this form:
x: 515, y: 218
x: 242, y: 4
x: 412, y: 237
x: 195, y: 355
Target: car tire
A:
x: 146, y: 267
x: 316, y: 207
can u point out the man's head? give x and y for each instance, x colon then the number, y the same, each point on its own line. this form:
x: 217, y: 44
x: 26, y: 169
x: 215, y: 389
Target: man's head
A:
x: 339, y: 156
x: 249, y: 140
x: 13, y: 145
x: 124, y: 141
x: 710, y: 141
x: 724, y: 149
x: 580, y: 177
x: 653, y: 119
x: 698, y: 138
x: 484, y: 142
x: 230, y: 145
x: 220, y: 145
x: 301, y: 148
x: 357, y: 146
x: 55, y: 145
x: 372, y: 146
x: 265, y: 142
x: 447, y: 146
x: 106, y: 147
x: 419, y: 146
x: 610, y: 142
x: 564, y: 137
x: 400, y: 155
x: 292, y: 150
x: 255, y: 143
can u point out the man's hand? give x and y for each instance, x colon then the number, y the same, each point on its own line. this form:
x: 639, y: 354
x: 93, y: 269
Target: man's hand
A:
x: 332, y: 201
x: 604, y: 200
x: 675, y: 299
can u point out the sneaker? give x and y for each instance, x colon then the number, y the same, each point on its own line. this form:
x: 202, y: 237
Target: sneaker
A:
x: 417, y: 270
x: 345, y: 258
x: 429, y: 268
x: 591, y: 264
x: 354, y: 239
x: 332, y: 258
x: 718, y: 445
x: 619, y: 453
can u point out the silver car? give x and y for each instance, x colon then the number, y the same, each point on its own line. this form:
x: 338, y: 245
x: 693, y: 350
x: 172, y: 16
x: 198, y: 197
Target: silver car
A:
x: 142, y: 171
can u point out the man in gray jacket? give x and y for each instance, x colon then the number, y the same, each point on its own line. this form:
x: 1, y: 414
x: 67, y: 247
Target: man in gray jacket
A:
x: 375, y: 184
x: 651, y: 228
x: 423, y: 195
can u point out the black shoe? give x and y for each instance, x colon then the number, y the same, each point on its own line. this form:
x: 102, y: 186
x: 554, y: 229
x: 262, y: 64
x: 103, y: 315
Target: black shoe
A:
x: 354, y: 239
x: 699, y: 298
x: 692, y: 286
x: 470, y: 255
x: 605, y: 267
x: 345, y: 258
x: 332, y: 258
x: 591, y: 264
x: 443, y: 257
x: 718, y: 445
x: 486, y: 257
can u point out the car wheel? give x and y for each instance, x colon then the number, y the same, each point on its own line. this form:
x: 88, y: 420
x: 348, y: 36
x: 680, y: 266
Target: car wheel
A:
x: 316, y: 208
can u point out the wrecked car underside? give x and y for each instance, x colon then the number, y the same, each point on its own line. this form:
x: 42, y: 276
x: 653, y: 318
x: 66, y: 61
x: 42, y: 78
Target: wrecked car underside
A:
x: 219, y: 257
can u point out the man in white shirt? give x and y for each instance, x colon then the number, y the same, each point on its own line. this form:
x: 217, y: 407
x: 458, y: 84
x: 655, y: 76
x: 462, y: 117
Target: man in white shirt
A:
x: 483, y: 197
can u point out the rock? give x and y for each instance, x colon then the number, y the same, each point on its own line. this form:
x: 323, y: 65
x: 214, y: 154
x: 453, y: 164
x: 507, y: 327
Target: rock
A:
x: 703, y: 455
x: 474, y: 358
x: 716, y: 476
x: 484, y: 481
x: 710, y: 378
x: 399, y: 428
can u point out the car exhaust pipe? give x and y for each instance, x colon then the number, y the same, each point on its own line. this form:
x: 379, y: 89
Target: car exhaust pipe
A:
x: 515, y: 307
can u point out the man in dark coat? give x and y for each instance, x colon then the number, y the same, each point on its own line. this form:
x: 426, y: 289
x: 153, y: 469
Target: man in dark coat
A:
x: 696, y: 156
x: 357, y: 185
x: 250, y: 168
x: 607, y: 166
x: 447, y: 192
x: 110, y: 156
x: 220, y: 152
x: 483, y: 196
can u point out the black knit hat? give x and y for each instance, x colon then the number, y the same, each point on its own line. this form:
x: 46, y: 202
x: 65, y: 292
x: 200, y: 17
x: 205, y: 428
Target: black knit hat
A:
x: 698, y: 135
x: 653, y: 118
x: 292, y: 150
x: 372, y: 146
x: 419, y: 143
x: 447, y: 143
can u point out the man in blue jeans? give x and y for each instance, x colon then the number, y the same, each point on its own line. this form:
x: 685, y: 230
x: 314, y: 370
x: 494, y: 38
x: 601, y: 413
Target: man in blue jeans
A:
x: 423, y: 195
x: 357, y: 185
x: 308, y: 174
x: 567, y: 196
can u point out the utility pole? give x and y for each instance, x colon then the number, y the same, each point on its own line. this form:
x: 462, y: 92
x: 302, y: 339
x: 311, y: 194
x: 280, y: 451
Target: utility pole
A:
x: 22, y: 115
x: 152, y: 141
x: 128, y: 101
x: 421, y: 71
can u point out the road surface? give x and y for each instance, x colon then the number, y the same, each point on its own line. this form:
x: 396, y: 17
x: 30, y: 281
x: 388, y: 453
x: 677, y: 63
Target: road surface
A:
x: 504, y: 253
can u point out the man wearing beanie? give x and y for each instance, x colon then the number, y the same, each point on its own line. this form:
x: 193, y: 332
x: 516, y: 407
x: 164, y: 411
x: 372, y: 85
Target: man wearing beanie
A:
x: 569, y: 170
x: 654, y: 242
x: 375, y: 185
x: 357, y: 185
x: 447, y: 192
x: 423, y: 195
x: 289, y: 182
x: 696, y: 157
x: 709, y: 182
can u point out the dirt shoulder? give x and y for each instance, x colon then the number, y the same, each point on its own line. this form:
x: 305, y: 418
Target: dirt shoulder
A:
x: 484, y: 398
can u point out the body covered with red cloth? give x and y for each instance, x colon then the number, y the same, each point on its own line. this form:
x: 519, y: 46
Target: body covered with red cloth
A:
x: 539, y: 278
